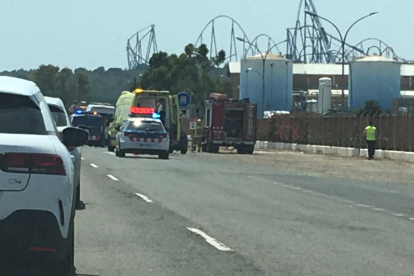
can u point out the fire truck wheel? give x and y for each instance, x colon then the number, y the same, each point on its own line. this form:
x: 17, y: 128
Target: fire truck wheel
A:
x: 249, y: 149
x: 241, y: 150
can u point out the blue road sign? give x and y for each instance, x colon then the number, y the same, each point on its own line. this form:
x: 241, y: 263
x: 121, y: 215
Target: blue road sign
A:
x: 183, y: 99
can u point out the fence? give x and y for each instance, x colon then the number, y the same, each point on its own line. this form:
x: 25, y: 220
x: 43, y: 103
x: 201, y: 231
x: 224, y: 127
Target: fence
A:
x: 394, y: 132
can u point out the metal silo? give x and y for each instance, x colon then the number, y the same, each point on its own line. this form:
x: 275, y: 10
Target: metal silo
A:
x: 324, y: 95
x: 374, y: 78
x: 278, y: 83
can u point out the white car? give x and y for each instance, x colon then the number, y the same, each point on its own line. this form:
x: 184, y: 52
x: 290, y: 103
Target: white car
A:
x: 61, y: 118
x: 37, y: 186
x: 142, y: 136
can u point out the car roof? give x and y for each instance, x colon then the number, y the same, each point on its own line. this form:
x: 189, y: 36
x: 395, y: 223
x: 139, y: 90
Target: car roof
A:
x: 55, y: 101
x: 18, y: 86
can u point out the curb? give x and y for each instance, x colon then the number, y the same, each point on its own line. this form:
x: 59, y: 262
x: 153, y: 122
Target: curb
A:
x: 336, y: 151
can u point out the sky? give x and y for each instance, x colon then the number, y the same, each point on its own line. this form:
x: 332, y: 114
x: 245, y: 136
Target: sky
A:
x: 94, y: 33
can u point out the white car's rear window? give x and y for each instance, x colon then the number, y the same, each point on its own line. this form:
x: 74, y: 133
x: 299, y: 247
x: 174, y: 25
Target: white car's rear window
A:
x: 20, y: 115
x: 59, y: 116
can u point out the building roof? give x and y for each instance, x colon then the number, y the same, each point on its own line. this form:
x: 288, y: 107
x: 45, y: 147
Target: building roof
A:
x: 268, y: 57
x: 374, y: 58
x: 337, y: 92
x: 321, y: 69
x: 18, y: 86
x: 234, y: 67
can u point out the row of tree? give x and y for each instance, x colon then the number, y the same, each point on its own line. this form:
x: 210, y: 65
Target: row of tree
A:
x: 192, y: 71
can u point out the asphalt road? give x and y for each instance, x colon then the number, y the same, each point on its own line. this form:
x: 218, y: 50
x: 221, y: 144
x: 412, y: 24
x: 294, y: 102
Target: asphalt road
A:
x: 206, y: 214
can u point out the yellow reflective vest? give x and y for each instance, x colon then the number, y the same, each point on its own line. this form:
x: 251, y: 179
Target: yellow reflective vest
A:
x: 199, y: 130
x: 370, y: 132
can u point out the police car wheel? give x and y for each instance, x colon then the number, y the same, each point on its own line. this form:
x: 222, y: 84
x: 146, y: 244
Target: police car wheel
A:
x: 184, y: 151
x: 164, y: 155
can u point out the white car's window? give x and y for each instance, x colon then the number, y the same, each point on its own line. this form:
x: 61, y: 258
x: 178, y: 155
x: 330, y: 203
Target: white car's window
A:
x: 59, y: 116
x: 20, y: 115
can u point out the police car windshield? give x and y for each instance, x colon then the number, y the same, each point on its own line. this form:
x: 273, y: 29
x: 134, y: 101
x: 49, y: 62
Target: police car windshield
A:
x: 59, y: 115
x: 147, y: 125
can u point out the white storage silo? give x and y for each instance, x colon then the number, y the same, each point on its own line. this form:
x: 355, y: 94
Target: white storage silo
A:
x: 278, y: 83
x: 324, y: 95
x: 374, y: 78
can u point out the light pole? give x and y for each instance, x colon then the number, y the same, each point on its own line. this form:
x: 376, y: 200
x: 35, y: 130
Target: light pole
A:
x: 264, y: 65
x: 343, y: 42
x: 286, y: 80
x: 247, y: 81
x: 271, y: 83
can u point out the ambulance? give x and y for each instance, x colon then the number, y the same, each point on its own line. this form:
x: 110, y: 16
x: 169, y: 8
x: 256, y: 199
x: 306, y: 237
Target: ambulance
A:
x: 154, y: 104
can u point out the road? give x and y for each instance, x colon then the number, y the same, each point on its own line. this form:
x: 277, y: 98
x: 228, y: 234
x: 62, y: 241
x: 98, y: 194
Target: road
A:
x: 206, y: 214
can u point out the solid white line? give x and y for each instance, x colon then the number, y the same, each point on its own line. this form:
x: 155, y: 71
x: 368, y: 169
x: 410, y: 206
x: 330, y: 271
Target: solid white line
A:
x: 399, y: 215
x: 113, y: 177
x: 412, y: 219
x: 109, y: 152
x: 144, y: 197
x: 93, y: 165
x: 218, y: 245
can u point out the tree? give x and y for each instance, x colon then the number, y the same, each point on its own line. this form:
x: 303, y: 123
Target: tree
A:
x: 371, y: 108
x: 220, y: 58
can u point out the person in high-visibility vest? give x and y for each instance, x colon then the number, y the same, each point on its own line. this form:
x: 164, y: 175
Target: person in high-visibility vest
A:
x: 371, y: 137
x: 198, y: 135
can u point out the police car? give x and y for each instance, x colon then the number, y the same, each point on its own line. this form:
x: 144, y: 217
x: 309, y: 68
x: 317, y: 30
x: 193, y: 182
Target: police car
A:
x: 142, y: 135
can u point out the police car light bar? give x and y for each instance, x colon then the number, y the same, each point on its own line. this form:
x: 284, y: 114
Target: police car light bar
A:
x: 142, y: 110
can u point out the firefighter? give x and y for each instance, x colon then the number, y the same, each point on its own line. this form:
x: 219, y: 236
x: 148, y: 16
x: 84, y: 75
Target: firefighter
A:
x: 197, y: 137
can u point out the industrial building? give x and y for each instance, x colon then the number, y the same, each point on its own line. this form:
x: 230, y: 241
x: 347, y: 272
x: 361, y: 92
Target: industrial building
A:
x: 374, y: 77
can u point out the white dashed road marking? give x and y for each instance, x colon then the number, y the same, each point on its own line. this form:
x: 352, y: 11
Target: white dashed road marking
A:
x: 400, y: 215
x: 144, y: 197
x: 113, y: 177
x: 109, y: 152
x: 218, y: 245
x: 93, y: 165
x: 379, y: 209
x: 362, y: 205
x: 82, y: 158
x: 412, y: 219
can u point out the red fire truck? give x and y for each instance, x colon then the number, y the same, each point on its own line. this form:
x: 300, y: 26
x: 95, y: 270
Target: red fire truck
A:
x: 229, y: 123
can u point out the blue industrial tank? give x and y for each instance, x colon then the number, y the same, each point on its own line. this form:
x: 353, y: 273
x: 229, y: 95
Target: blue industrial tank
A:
x: 374, y: 78
x: 278, y: 83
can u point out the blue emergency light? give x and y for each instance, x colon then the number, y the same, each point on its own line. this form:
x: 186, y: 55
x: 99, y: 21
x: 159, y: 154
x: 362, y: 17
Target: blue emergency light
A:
x: 78, y: 111
x: 155, y: 115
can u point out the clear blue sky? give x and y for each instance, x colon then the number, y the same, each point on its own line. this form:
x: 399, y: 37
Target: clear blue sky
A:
x: 93, y: 33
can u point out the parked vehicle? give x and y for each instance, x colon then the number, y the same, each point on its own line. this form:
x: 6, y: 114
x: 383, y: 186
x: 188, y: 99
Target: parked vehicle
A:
x: 142, y: 136
x: 37, y: 182
x: 95, y: 123
x: 229, y: 122
x: 159, y: 105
